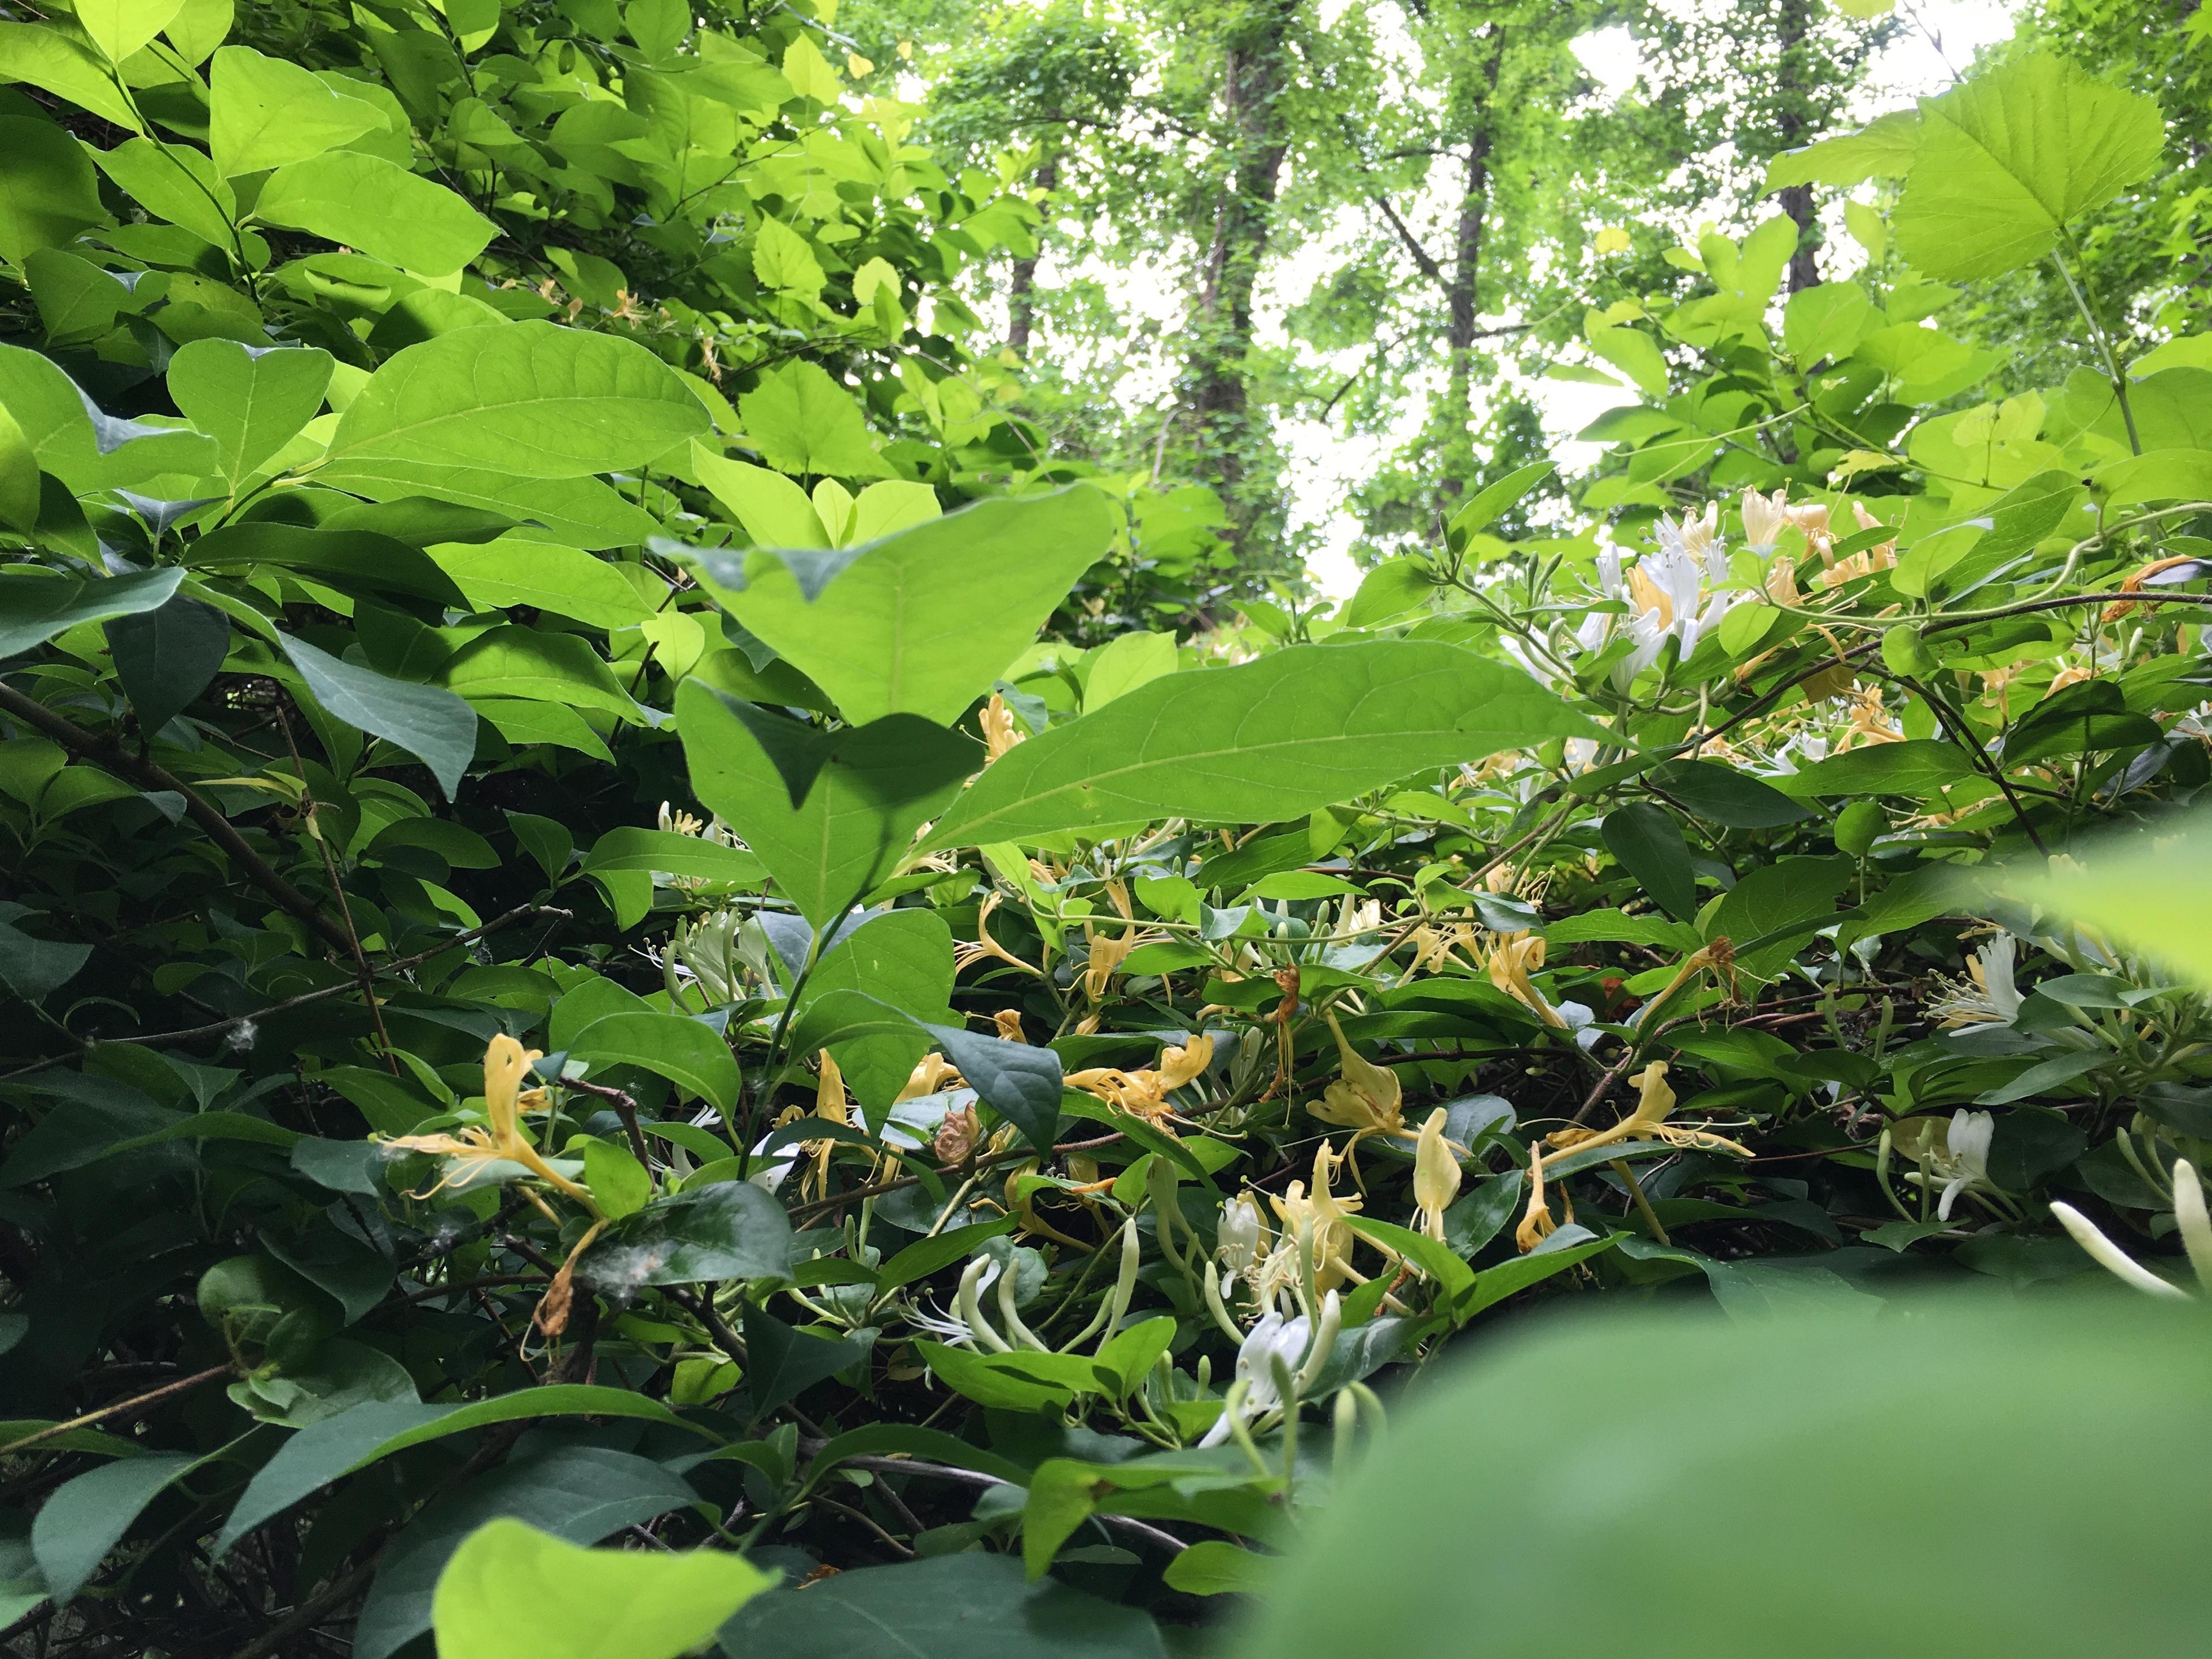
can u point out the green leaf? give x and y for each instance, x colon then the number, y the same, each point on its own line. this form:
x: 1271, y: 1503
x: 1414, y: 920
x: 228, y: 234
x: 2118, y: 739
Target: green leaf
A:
x: 2008, y: 158
x: 48, y: 191
x: 683, y: 1050
x: 545, y: 575
x: 120, y: 28
x: 1779, y: 904
x: 2143, y: 891
x: 926, y: 1256
x: 367, y: 1434
x: 1436, y: 1526
x: 727, y: 1229
x: 20, y: 490
x: 265, y: 111
x: 864, y: 792
x: 174, y: 183
x: 1635, y: 354
x: 924, y: 621
x: 1494, y: 499
x: 1393, y: 589
x: 1214, y: 1566
x: 783, y: 260
x: 903, y: 957
x: 86, y: 450
x: 352, y: 561
x: 1648, y: 844
x: 973, y: 1605
x: 1917, y: 766
x: 1126, y: 662
x: 774, y: 512
x: 530, y: 400
x: 435, y: 727
x: 33, y: 609
x: 1276, y: 739
x: 781, y: 1363
x: 627, y: 847
x: 87, y: 1516
x: 251, y: 402
x: 167, y: 657
x: 802, y: 421
x: 387, y: 212
x: 514, y: 661
x: 51, y: 61
x: 512, y: 1592
x: 1722, y: 795
x: 1881, y: 150
x: 1826, y: 321
x: 580, y: 1493
x: 1493, y: 1284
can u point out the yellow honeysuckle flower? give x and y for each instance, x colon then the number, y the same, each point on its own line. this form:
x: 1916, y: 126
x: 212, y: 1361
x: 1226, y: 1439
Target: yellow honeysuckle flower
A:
x: 1436, y: 1176
x: 1145, y: 1093
x: 500, y: 1138
x: 1365, y: 1098
x: 1536, y: 1223
x: 1656, y: 1098
x: 1319, y: 1217
x: 987, y: 948
x: 1510, y: 964
x: 932, y: 1074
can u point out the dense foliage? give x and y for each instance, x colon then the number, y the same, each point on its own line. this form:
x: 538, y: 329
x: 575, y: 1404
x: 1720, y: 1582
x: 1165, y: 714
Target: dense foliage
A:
x: 634, y: 917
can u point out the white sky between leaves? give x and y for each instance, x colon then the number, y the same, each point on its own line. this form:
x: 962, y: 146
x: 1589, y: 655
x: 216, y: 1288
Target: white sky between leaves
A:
x: 1325, y: 463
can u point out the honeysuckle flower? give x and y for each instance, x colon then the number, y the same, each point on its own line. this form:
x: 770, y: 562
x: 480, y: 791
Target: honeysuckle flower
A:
x: 1241, y: 1237
x: 1536, y: 1223
x: 1365, y: 1098
x: 1511, y: 961
x: 1273, y: 1337
x: 1001, y: 732
x: 1319, y: 1217
x: 932, y: 1074
x: 985, y: 948
x: 1986, y: 995
x: 1764, y: 516
x: 1961, y: 1162
x: 1145, y: 1093
x: 500, y: 1138
x: 1436, y: 1175
x: 1655, y: 1099
x: 2191, y: 1220
x: 1812, y: 518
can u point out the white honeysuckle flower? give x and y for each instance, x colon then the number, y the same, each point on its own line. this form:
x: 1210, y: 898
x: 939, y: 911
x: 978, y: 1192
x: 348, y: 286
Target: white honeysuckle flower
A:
x: 2192, y: 1220
x: 1240, y: 1236
x: 1272, y: 1334
x: 1987, y: 994
x: 1764, y: 517
x: 1962, y: 1162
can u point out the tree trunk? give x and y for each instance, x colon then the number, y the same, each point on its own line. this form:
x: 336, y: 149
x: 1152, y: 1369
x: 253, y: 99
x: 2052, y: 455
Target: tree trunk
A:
x: 1463, y: 289
x: 1795, y: 73
x: 1218, y: 373
x: 1021, y: 303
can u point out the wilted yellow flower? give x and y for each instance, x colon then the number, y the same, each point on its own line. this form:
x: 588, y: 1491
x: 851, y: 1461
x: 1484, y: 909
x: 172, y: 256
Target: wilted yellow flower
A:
x: 1656, y: 1098
x: 987, y: 948
x: 1145, y: 1093
x: 1536, y: 1223
x: 500, y: 1138
x: 1000, y: 729
x: 1436, y: 1175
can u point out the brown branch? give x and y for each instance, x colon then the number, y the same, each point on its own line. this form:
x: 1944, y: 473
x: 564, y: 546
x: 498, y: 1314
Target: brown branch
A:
x: 1429, y: 268
x: 107, y: 754
x: 135, y: 1404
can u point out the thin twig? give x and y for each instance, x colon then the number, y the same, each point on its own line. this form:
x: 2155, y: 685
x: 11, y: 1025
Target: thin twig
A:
x: 135, y: 1404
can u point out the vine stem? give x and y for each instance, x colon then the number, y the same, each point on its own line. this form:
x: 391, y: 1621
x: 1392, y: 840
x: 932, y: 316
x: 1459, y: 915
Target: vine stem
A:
x: 137, y: 1402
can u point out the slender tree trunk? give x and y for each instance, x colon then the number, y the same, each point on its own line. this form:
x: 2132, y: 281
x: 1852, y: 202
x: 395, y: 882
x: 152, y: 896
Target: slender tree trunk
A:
x: 1795, y: 73
x: 1463, y: 289
x: 1218, y: 373
x: 1021, y: 301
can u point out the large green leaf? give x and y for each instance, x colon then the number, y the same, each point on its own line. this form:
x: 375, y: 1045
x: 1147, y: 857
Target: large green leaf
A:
x: 512, y: 1592
x: 530, y: 400
x: 387, y: 212
x: 251, y: 402
x: 2007, y: 158
x: 514, y: 661
x: 1500, y: 1499
x: 566, y: 580
x: 685, y: 1052
x: 903, y: 957
x: 437, y: 727
x: 802, y: 421
x: 922, y: 622
x: 33, y: 609
x: 729, y: 1230
x: 48, y: 191
x: 1277, y: 739
x: 265, y: 111
x: 863, y: 791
